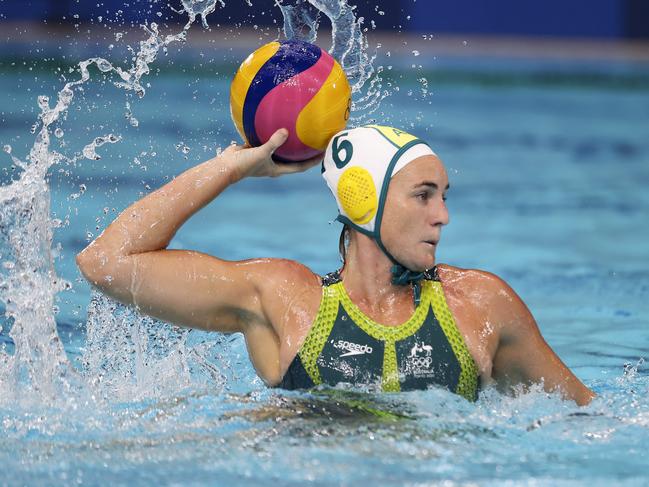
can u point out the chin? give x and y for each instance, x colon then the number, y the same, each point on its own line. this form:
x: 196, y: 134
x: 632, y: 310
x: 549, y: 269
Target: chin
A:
x: 429, y: 262
x: 418, y: 260
x: 421, y: 265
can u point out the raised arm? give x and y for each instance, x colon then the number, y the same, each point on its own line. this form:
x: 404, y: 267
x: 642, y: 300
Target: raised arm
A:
x: 130, y: 263
x: 523, y: 356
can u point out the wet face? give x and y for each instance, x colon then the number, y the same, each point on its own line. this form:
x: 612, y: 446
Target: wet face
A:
x: 415, y: 211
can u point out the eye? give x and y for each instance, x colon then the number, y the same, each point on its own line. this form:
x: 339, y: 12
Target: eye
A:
x: 444, y: 197
x: 422, y: 196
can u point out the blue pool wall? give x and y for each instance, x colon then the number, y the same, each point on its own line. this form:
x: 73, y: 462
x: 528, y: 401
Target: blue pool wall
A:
x: 606, y: 19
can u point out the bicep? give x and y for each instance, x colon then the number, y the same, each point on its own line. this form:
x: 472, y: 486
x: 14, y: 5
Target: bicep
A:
x: 182, y: 287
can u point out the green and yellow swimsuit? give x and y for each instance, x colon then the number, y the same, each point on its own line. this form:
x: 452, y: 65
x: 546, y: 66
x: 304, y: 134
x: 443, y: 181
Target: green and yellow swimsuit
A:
x: 345, y: 346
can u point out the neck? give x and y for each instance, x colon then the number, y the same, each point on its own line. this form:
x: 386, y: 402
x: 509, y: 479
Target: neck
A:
x: 367, y: 275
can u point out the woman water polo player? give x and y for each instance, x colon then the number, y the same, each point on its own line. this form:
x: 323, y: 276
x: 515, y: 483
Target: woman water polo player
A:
x: 389, y: 319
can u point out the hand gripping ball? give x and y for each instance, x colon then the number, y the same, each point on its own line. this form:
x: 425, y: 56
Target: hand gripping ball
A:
x: 293, y: 85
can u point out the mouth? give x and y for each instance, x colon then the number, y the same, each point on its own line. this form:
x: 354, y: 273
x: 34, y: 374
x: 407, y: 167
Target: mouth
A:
x: 432, y: 243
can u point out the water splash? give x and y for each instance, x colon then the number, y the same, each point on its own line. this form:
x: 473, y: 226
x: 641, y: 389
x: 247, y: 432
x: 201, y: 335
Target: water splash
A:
x: 90, y: 150
x: 28, y: 280
x: 199, y: 8
x: 130, y: 357
x: 301, y: 20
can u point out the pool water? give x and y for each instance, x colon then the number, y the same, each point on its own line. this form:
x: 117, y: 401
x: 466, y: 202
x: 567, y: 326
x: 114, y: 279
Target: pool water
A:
x: 547, y: 190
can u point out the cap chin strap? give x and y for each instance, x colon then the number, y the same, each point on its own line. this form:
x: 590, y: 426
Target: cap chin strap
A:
x: 401, y: 275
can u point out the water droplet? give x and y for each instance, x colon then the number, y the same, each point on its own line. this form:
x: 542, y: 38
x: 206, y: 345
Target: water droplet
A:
x: 415, y: 52
x: 181, y: 147
x: 7, y: 149
x: 103, y: 65
x: 58, y: 133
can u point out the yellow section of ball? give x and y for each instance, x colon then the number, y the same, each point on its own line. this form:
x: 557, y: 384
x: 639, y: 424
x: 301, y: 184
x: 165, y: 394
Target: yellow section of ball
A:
x: 242, y: 80
x: 357, y: 195
x: 328, y: 110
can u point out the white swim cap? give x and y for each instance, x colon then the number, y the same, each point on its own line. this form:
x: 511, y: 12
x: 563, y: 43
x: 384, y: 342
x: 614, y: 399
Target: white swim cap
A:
x: 357, y: 167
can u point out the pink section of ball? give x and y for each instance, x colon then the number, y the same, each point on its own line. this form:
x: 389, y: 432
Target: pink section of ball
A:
x: 283, y: 104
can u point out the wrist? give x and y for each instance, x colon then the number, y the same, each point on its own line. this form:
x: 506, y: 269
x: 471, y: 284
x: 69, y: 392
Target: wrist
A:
x: 226, y: 165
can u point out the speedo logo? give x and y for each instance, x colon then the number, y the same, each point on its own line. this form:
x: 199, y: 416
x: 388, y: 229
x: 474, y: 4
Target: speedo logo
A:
x: 352, y: 348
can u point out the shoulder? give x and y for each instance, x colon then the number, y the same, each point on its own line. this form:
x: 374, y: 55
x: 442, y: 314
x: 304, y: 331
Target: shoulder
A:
x: 486, y: 292
x: 285, y: 290
x: 283, y: 275
x: 472, y: 283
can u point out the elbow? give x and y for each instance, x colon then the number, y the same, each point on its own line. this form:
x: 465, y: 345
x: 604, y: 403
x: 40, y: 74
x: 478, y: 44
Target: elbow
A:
x: 109, y: 273
x: 83, y: 260
x: 88, y: 265
x: 95, y: 266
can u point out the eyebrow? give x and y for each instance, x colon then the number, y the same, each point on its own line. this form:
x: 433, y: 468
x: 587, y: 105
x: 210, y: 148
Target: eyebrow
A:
x: 431, y: 185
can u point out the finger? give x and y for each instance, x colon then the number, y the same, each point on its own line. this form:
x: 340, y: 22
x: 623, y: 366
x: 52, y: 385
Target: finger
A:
x: 276, y: 140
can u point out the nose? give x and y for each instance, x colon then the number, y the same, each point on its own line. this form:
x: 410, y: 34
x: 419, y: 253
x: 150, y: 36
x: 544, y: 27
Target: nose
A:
x: 440, y: 213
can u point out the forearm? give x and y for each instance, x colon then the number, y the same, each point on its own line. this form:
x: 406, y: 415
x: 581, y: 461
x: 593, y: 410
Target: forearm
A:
x: 530, y: 361
x: 150, y: 223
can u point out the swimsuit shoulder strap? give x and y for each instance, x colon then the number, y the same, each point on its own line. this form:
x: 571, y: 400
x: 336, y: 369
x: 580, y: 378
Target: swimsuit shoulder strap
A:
x: 321, y: 327
x: 431, y: 274
x: 331, y: 278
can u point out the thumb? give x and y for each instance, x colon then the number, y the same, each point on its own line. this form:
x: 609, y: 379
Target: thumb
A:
x: 276, y: 140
